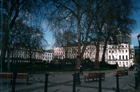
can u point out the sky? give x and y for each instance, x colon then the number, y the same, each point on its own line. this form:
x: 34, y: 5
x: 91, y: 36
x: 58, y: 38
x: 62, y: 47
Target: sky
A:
x: 134, y: 34
x: 136, y: 31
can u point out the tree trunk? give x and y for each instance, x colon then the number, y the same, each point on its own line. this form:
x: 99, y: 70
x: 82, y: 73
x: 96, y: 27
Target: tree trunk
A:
x: 96, y: 66
x: 4, y: 49
x: 103, y: 56
x: 3, y: 53
x: 79, y: 44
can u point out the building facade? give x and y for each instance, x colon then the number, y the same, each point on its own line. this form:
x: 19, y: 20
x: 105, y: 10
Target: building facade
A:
x: 23, y: 54
x: 119, y: 53
x: 48, y: 56
x: 72, y: 52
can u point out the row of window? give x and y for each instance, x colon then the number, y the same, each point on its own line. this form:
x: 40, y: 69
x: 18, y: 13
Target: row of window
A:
x: 120, y: 51
x: 47, y: 57
x: 121, y: 46
x: 58, y: 53
x: 73, y: 56
x: 120, y: 57
x: 49, y: 54
x: 21, y: 56
x: 119, y: 63
x: 122, y: 63
x: 76, y: 48
x: 67, y: 49
x: 62, y: 57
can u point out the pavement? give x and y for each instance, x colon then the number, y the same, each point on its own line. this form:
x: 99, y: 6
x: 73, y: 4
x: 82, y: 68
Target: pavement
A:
x: 63, y: 82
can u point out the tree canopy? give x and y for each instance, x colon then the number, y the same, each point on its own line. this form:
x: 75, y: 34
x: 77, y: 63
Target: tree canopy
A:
x: 91, y: 20
x: 12, y: 11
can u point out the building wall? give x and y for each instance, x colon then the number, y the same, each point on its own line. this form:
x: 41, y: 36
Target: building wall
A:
x: 47, y: 56
x: 119, y: 53
x: 22, y: 55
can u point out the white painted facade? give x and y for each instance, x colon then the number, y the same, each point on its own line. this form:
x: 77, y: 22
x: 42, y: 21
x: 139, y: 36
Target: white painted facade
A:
x: 22, y: 55
x: 119, y: 53
x: 47, y: 56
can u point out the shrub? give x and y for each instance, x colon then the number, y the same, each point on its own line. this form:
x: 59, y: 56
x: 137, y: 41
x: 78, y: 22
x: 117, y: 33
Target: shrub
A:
x: 106, y: 65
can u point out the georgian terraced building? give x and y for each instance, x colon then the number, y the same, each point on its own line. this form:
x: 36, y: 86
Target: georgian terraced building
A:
x: 23, y: 54
x: 60, y: 52
x: 48, y: 56
x: 119, y: 53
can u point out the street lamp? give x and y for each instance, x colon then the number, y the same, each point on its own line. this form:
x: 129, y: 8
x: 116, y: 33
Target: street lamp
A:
x: 139, y: 49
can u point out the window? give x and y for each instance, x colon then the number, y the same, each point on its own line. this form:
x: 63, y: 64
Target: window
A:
x: 109, y: 51
x: 123, y: 57
x: 126, y: 63
x: 119, y: 47
x: 109, y: 57
x: 119, y: 63
x: 126, y: 51
x: 122, y: 51
x: 120, y: 57
x: 126, y: 57
x: 112, y: 51
x: 113, y: 57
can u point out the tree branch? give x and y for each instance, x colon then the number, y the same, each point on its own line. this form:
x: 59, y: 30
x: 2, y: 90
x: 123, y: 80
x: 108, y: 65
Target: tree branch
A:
x: 66, y: 8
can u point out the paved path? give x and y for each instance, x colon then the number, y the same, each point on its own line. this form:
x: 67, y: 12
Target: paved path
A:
x: 62, y: 82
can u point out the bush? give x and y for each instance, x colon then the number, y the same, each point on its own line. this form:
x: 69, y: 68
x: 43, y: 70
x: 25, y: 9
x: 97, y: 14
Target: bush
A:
x: 106, y: 65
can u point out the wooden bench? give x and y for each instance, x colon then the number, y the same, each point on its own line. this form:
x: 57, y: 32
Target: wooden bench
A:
x: 6, y: 76
x: 94, y: 76
x: 21, y: 76
x: 9, y: 76
x: 119, y: 72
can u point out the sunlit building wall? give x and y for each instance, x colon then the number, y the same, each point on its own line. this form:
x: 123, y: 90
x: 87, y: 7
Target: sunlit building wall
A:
x: 115, y: 53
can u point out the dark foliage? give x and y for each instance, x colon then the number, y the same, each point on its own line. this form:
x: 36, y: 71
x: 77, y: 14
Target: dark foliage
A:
x: 108, y: 66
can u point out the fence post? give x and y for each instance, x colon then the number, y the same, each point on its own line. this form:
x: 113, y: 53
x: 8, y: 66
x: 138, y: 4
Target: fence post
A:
x: 14, y: 81
x: 74, y: 77
x: 46, y: 82
x: 117, y: 81
x: 138, y: 77
x: 100, y: 85
x: 136, y: 81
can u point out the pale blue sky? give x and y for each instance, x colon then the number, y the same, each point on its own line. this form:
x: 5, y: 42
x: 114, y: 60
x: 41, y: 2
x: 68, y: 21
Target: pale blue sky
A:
x: 136, y: 31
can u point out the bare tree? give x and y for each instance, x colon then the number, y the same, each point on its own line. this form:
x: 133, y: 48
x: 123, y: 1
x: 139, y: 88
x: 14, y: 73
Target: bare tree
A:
x: 118, y: 20
x: 88, y: 18
x: 112, y: 18
x: 78, y: 15
x: 27, y: 37
x: 13, y: 9
x: 65, y: 39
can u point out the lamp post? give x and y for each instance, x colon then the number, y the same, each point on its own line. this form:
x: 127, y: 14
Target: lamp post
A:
x: 139, y: 50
